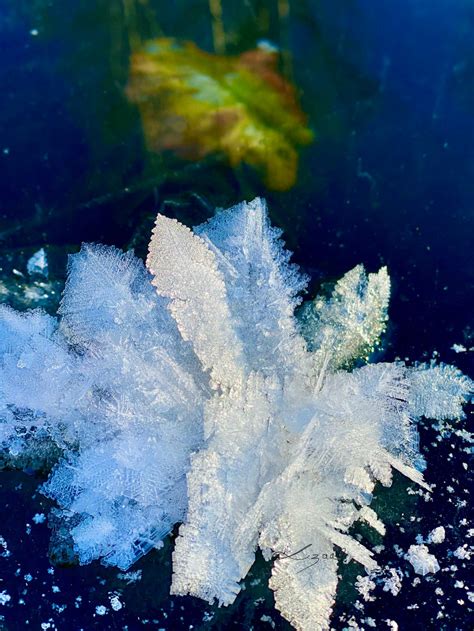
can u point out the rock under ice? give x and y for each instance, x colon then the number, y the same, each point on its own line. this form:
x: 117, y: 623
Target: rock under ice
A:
x: 189, y: 393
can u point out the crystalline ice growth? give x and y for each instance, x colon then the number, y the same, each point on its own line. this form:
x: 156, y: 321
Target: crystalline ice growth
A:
x: 357, y: 298
x: 294, y: 445
x: 117, y: 390
x: 423, y: 562
x: 194, y: 395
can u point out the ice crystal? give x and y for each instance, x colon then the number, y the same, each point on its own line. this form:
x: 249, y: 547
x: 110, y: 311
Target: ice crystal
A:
x: 191, y: 393
x: 423, y: 562
x: 38, y: 263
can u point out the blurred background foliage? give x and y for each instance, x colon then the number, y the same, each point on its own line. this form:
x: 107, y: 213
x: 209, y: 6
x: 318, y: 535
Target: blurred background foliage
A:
x: 94, y: 166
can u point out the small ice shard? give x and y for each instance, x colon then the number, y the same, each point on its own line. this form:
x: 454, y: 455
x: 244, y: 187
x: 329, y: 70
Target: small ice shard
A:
x: 115, y: 602
x: 38, y: 264
x: 437, y: 535
x: 422, y: 561
x: 393, y: 582
x: 4, y: 597
x: 39, y: 518
x: 463, y: 552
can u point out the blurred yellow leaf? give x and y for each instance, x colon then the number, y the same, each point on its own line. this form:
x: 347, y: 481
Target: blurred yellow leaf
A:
x: 195, y: 103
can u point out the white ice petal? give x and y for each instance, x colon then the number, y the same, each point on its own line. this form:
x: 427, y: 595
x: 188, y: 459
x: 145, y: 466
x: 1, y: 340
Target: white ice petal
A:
x: 185, y: 271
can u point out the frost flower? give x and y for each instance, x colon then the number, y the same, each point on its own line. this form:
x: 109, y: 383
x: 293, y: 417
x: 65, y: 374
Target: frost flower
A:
x: 190, y: 393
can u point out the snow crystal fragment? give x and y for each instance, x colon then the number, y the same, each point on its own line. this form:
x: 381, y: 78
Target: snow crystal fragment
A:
x: 365, y: 586
x: 4, y: 551
x: 4, y: 597
x: 38, y: 264
x: 101, y: 610
x: 130, y: 577
x: 463, y: 552
x: 393, y: 582
x: 437, y: 535
x: 115, y: 602
x: 349, y: 324
x: 422, y: 561
x: 39, y: 518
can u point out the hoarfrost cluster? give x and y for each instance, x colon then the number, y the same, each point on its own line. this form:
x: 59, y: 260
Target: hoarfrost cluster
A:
x: 189, y: 392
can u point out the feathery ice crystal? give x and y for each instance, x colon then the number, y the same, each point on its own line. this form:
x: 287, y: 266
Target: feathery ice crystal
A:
x: 190, y: 393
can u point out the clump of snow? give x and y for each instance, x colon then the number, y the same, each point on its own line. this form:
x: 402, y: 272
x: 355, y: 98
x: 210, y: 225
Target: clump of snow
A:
x: 422, y: 561
x: 393, y: 582
x: 190, y: 392
x: 437, y: 535
x: 115, y: 602
x: 4, y: 597
x: 463, y: 552
x: 365, y: 585
x: 458, y: 348
x: 39, y: 518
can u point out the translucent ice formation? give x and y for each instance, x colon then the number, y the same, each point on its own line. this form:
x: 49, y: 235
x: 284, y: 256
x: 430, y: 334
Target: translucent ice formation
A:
x: 205, y: 402
x: 38, y: 263
x: 423, y: 562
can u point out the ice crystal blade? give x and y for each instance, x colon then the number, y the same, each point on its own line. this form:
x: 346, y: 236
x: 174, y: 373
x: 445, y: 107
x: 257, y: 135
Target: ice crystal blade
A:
x: 144, y: 406
x: 347, y: 325
x: 219, y: 499
x: 439, y: 391
x: 263, y: 288
x: 186, y: 272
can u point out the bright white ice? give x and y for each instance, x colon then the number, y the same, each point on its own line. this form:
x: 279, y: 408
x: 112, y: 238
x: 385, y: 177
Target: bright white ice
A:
x: 190, y: 393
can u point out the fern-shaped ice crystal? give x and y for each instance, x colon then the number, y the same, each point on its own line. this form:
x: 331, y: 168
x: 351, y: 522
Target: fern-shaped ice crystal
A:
x: 205, y: 402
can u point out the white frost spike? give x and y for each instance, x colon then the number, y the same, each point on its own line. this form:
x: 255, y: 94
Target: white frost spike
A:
x: 370, y: 516
x: 201, y: 404
x: 348, y: 325
x: 262, y: 287
x: 185, y: 270
x: 438, y: 392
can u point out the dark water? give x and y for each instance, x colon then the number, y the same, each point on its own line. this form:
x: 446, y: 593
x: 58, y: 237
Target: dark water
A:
x: 389, y: 91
